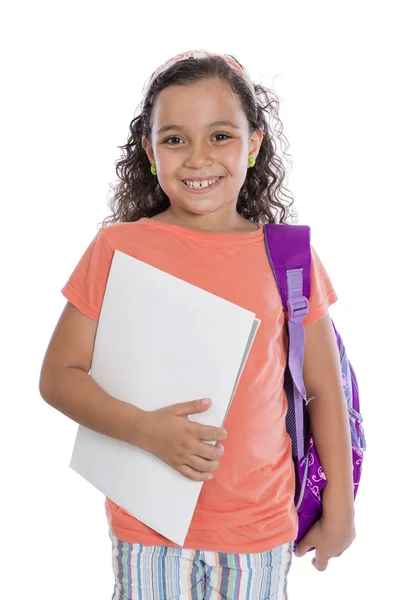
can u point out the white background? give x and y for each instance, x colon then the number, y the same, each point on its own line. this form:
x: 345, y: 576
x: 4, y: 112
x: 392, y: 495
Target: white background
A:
x: 73, y: 74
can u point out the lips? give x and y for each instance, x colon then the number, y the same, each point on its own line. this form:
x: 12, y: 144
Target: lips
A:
x: 197, y: 189
x: 201, y: 183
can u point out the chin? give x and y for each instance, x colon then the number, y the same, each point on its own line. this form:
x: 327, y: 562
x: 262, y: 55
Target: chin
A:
x: 199, y: 205
x: 205, y: 209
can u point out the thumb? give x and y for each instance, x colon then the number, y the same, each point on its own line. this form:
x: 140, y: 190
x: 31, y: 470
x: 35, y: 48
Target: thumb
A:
x: 303, y: 546
x: 184, y: 409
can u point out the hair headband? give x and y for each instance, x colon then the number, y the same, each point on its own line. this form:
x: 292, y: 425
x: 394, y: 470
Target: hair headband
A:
x: 193, y: 54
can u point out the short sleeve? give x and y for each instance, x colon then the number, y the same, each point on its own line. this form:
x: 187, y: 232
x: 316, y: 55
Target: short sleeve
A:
x: 87, y: 284
x: 322, y: 294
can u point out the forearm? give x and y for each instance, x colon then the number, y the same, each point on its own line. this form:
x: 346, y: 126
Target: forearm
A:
x: 329, y: 417
x: 331, y: 433
x: 74, y: 392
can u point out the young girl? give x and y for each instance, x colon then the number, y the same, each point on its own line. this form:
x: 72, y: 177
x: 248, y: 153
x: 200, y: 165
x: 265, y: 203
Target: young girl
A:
x: 199, y: 179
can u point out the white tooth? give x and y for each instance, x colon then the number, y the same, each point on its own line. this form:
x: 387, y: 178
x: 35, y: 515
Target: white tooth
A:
x: 201, y: 184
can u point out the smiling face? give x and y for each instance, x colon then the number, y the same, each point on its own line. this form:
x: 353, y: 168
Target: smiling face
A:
x: 201, y: 144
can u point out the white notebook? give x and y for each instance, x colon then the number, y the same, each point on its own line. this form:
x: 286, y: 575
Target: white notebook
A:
x: 159, y: 341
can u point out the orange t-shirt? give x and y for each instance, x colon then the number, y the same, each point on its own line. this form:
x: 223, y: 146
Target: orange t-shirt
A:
x: 249, y: 505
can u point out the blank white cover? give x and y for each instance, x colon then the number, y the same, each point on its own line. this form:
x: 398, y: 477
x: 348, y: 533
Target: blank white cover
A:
x: 159, y: 341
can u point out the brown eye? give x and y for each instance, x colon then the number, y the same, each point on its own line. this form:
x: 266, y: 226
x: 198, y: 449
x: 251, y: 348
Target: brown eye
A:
x: 227, y: 137
x: 171, y: 138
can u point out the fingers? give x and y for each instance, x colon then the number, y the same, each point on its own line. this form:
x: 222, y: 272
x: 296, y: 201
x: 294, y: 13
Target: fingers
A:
x: 202, y: 462
x: 209, y: 434
x: 208, y: 451
x: 202, y: 432
x: 191, y: 455
x: 193, y: 407
x: 193, y: 474
x: 204, y: 466
x: 320, y: 563
x: 303, y: 547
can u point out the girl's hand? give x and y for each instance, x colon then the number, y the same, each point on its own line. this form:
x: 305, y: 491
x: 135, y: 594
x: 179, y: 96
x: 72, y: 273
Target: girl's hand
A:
x: 172, y: 437
x: 328, y: 539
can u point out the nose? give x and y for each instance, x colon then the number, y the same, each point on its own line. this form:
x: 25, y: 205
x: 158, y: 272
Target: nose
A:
x: 199, y: 156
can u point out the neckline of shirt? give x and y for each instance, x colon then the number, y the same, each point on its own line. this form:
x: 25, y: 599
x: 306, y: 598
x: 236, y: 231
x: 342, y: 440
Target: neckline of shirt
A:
x: 207, y: 236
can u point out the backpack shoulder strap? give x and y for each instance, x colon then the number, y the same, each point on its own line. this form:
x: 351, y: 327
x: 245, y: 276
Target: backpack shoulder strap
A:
x: 288, y: 248
x: 289, y: 252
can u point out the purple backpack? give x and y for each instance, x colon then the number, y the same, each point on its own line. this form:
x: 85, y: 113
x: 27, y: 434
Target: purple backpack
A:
x: 289, y: 252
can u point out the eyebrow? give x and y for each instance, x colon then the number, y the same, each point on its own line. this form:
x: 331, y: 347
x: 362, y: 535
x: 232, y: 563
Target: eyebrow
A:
x: 215, y: 124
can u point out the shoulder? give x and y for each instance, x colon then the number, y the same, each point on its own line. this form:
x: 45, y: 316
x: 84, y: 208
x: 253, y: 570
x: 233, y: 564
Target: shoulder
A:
x: 117, y: 233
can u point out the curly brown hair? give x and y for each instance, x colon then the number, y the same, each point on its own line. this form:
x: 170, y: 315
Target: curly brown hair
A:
x: 261, y: 199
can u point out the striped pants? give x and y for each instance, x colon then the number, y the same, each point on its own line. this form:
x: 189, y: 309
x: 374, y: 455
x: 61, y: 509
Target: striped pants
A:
x: 166, y: 573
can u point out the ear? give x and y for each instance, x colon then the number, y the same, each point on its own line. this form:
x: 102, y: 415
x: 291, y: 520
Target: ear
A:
x: 147, y: 147
x: 255, y: 142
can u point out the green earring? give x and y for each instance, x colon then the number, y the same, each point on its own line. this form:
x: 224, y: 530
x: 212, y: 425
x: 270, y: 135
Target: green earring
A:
x: 252, y: 161
x: 153, y: 169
